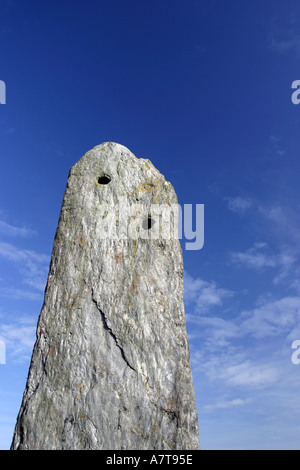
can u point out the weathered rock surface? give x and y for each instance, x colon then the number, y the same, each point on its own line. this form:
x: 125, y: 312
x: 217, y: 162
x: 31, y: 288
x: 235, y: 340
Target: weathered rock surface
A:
x: 110, y: 367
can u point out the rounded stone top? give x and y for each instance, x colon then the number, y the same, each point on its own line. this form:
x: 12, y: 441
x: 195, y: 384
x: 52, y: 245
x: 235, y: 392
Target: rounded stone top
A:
x: 112, y: 170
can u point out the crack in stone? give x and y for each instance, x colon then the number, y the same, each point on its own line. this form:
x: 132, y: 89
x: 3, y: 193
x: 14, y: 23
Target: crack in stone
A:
x: 105, y: 324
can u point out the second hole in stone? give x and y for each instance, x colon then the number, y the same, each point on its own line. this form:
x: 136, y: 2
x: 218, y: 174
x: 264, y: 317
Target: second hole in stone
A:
x: 148, y: 223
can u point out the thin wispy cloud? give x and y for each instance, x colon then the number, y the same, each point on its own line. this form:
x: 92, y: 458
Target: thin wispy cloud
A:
x: 284, y: 34
x: 224, y: 356
x: 250, y: 374
x: 277, y: 150
x: 259, y: 258
x: 221, y: 330
x: 204, y: 294
x: 238, y: 204
x: 13, y: 231
x: 227, y: 404
x: 273, y: 318
x: 254, y: 258
x: 287, y: 41
x: 11, y: 252
x: 284, y: 221
x: 32, y: 265
x: 232, y: 367
x: 284, y: 40
x: 19, y: 338
x: 17, y: 294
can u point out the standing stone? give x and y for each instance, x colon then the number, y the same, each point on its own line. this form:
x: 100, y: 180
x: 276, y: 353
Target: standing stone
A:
x: 110, y: 367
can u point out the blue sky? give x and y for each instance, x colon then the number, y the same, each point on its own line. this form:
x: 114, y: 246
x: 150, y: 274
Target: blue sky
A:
x: 202, y: 89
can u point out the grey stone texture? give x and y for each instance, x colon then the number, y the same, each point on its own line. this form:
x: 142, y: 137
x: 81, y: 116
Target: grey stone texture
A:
x: 110, y: 367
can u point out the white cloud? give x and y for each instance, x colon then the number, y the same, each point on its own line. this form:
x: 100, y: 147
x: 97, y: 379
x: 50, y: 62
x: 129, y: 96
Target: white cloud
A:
x: 227, y: 404
x: 220, y: 330
x: 284, y: 40
x: 203, y: 294
x: 33, y: 265
x: 13, y: 293
x: 276, y: 148
x: 13, y: 253
x: 274, y: 318
x: 296, y: 284
x: 258, y: 258
x: 233, y: 366
x: 250, y: 348
x: 11, y: 230
x: 19, y: 338
x: 284, y: 34
x: 270, y: 317
x: 239, y: 204
x: 250, y: 374
x: 276, y: 213
x: 252, y: 259
x: 284, y: 221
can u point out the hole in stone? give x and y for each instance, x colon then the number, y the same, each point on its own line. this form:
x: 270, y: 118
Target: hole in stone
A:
x: 104, y: 179
x: 148, y: 223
